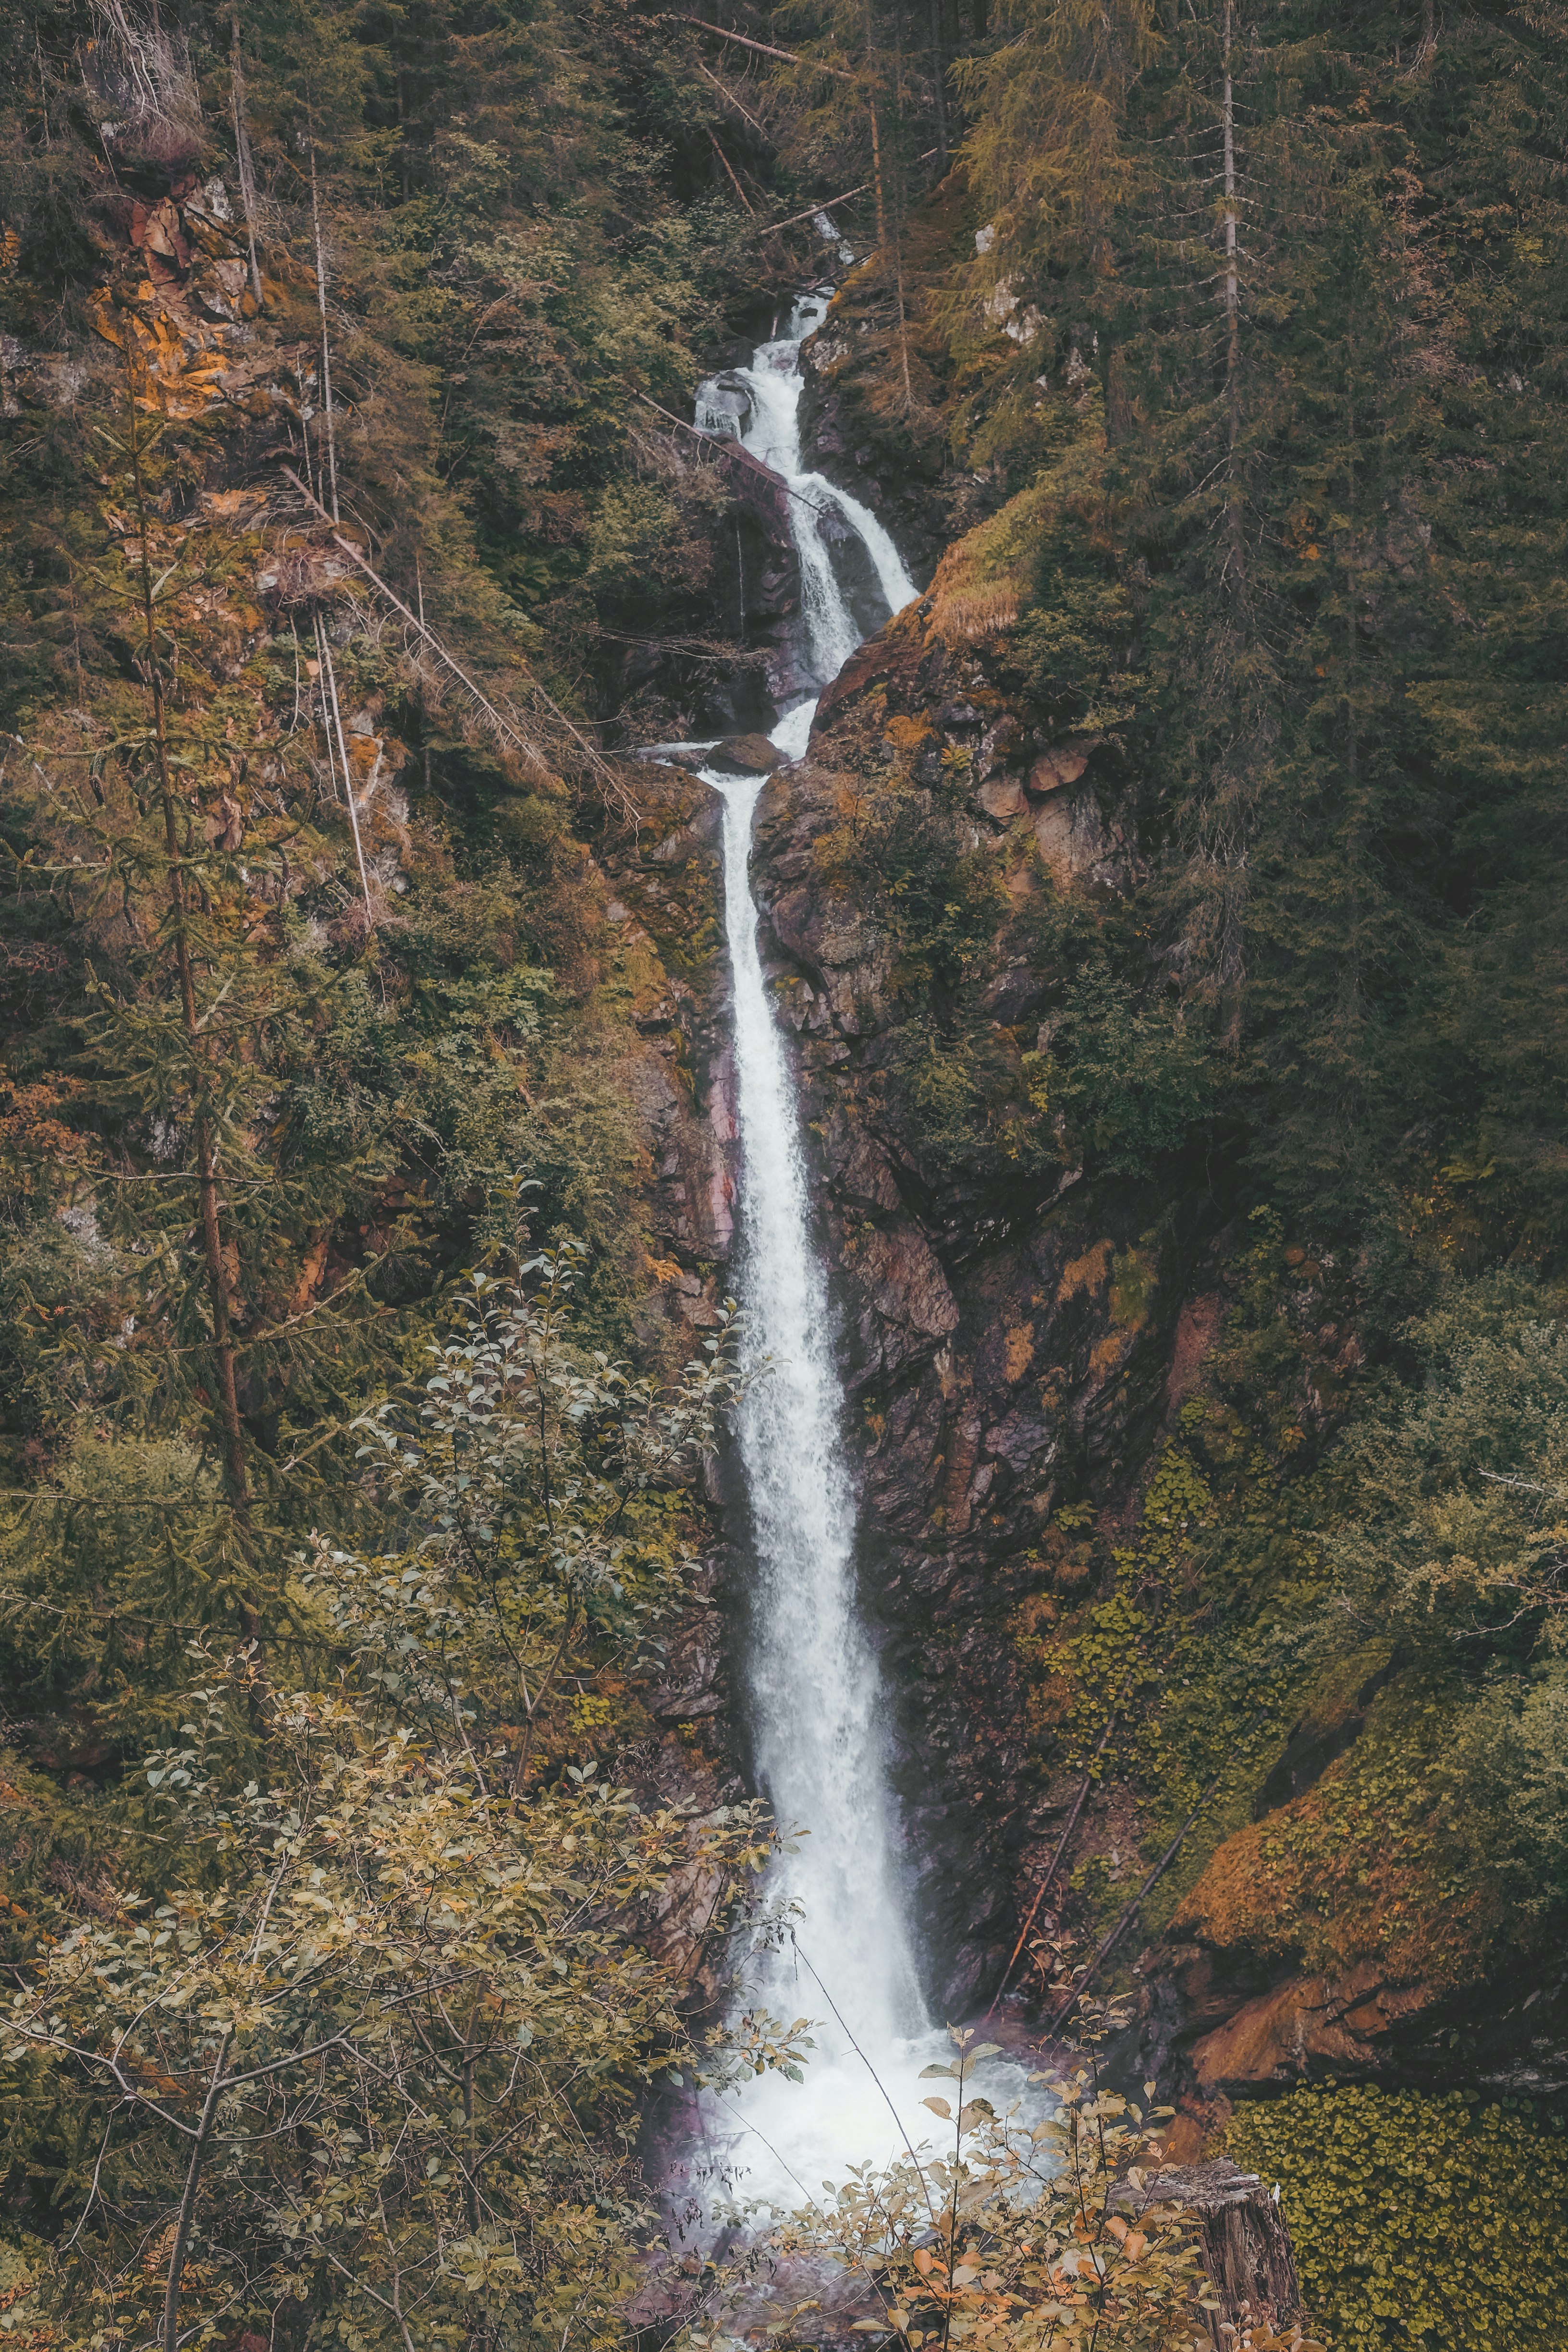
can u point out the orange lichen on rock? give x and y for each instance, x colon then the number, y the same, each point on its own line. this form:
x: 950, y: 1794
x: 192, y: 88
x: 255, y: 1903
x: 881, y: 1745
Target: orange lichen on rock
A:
x: 1300, y: 1883
x: 1334, y: 2022
x: 1084, y: 1273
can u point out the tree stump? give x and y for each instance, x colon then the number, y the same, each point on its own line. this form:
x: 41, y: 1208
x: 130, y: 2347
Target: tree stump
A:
x: 1244, y: 2246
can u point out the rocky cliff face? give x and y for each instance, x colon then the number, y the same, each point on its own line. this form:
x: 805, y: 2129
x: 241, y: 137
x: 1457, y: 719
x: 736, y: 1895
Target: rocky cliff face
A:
x: 1007, y: 1344
x: 1006, y: 1347
x: 1025, y: 1341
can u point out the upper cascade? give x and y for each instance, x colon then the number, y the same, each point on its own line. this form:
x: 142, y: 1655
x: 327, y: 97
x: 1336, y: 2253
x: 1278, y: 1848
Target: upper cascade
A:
x: 759, y: 406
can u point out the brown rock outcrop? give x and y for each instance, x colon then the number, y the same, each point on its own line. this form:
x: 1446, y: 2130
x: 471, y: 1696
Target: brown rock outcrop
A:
x: 1309, y: 2024
x: 995, y: 1364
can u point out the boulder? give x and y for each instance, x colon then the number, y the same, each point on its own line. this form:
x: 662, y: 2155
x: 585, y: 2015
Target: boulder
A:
x: 745, y: 755
x: 1002, y: 798
x: 1071, y: 836
x: 1064, y: 764
x: 727, y: 404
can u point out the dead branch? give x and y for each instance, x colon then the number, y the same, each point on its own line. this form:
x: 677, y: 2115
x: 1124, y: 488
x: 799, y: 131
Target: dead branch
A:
x: 763, y: 49
x: 505, y: 729
x: 865, y: 188
x: 331, y: 676
x: 734, y: 183
x: 1056, y: 1859
x: 726, y: 93
x: 731, y: 449
x: 1130, y: 1911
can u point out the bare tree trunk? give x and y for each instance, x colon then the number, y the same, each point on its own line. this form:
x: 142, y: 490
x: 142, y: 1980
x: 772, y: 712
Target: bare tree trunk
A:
x: 331, y: 679
x: 1232, y: 281
x: 326, y: 345
x: 875, y: 136
x: 188, y: 2200
x: 242, y: 152
x: 938, y: 78
x: 730, y: 169
x: 1056, y: 1861
x: 903, y: 326
x: 877, y: 182
x: 218, y: 1288
x: 1130, y: 1911
x: 199, y: 2145
x: 502, y: 727
x: 326, y: 706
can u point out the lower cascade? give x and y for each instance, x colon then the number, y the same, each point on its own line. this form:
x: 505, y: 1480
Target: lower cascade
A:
x: 814, y: 1682
x: 845, y: 1954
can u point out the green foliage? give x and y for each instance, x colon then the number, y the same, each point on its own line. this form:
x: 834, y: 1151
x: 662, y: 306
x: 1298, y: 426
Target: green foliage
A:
x: 904, y: 860
x: 372, y: 1995
x: 1399, y: 1601
x: 1077, y: 630
x: 357, y: 2033
x: 545, y: 1483
x: 1327, y: 571
x: 1430, y: 2222
x: 269, y: 1076
x: 1128, y: 1085
x: 970, y: 1091
x: 1016, y: 2233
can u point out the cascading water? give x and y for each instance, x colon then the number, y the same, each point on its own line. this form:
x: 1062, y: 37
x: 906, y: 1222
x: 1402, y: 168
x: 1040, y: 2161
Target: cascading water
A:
x: 770, y: 429
x: 814, y: 1684
x: 815, y: 1688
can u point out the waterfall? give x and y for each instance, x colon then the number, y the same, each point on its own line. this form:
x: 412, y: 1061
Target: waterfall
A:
x: 768, y: 423
x: 814, y: 1680
x: 815, y: 1685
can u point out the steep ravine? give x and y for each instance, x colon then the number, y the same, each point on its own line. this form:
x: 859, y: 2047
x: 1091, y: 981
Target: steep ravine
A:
x: 1012, y: 1343
x: 1003, y: 1352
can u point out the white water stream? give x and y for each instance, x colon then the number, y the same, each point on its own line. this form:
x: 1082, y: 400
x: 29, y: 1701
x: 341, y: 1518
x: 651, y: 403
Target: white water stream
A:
x: 815, y: 1688
x: 773, y: 384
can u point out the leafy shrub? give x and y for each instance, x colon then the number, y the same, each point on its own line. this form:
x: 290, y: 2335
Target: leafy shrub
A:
x: 1417, y: 2220
x: 906, y: 862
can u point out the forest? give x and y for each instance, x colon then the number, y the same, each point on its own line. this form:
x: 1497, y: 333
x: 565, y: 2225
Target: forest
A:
x: 1164, y: 927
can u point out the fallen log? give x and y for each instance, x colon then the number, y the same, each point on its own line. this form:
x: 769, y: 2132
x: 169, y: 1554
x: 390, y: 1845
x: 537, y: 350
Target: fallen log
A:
x: 732, y: 451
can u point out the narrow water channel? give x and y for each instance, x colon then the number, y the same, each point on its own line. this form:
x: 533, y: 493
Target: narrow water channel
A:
x: 816, y: 1696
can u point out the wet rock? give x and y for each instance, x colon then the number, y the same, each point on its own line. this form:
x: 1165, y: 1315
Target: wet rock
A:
x: 1015, y: 995
x: 1011, y: 1336
x: 745, y: 755
x: 695, y: 1684
x: 682, y: 1917
x: 728, y: 403
x: 903, y: 478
